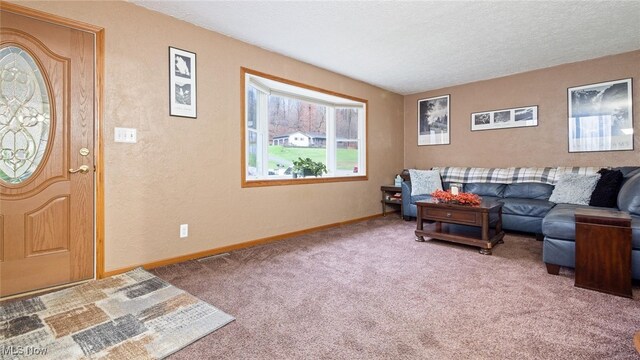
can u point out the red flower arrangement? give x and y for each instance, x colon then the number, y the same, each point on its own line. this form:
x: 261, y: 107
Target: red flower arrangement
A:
x: 460, y: 199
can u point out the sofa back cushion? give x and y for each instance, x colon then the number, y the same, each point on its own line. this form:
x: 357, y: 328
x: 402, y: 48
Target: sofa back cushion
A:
x: 485, y: 189
x: 528, y: 191
x: 629, y: 196
x: 628, y: 172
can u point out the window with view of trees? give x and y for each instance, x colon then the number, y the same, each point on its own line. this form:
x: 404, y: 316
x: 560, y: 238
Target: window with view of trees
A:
x: 285, y: 123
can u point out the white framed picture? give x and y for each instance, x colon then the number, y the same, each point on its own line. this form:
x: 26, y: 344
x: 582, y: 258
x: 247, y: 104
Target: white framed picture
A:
x: 601, y: 116
x: 182, y: 83
x: 433, y: 121
x: 505, y: 118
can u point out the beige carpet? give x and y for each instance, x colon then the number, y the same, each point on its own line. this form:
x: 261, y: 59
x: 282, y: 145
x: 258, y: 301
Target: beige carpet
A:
x: 369, y: 291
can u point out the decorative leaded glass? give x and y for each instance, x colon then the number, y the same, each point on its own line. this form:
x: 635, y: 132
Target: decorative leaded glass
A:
x: 24, y: 115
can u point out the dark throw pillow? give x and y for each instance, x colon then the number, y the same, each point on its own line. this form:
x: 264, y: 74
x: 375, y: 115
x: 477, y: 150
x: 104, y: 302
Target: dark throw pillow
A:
x: 606, y: 192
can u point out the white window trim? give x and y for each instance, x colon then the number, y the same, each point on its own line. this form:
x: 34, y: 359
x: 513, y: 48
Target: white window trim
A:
x: 331, y: 142
x: 262, y: 118
x: 262, y: 158
x: 362, y: 131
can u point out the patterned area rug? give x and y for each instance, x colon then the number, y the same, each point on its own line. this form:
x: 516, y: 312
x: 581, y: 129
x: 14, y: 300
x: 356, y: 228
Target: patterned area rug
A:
x: 129, y: 316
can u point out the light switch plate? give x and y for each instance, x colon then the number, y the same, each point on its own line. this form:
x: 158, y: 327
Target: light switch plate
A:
x: 125, y: 135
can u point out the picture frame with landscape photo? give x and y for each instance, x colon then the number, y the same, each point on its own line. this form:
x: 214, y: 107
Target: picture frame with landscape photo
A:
x: 182, y: 83
x: 600, y: 116
x: 433, y: 121
x: 523, y: 116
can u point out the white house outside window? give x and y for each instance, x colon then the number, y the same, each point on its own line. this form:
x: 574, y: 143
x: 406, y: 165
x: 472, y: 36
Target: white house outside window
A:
x: 285, y: 121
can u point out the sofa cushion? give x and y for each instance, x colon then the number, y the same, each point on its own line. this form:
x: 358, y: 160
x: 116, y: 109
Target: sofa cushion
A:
x: 560, y: 222
x: 606, y: 192
x: 424, y: 181
x: 628, y: 171
x: 635, y: 232
x: 528, y: 224
x: 528, y: 191
x: 527, y: 207
x: 490, y: 198
x: 416, y: 198
x: 574, y: 189
x: 485, y: 189
x: 629, y: 196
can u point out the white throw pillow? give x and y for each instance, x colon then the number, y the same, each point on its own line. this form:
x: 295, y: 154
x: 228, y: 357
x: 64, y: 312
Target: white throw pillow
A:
x: 424, y: 181
x: 574, y: 189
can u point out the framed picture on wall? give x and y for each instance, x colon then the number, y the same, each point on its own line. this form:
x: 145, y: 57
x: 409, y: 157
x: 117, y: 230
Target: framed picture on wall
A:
x: 433, y: 121
x: 601, y: 116
x: 182, y: 83
x: 505, y: 118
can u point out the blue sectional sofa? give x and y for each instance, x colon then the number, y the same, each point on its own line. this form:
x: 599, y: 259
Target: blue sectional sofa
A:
x: 559, y: 227
x: 525, y: 205
x: 527, y: 209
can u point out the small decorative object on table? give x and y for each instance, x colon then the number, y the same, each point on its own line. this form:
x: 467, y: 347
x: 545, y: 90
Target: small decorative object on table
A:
x: 397, y: 181
x: 459, y: 199
x: 455, y: 188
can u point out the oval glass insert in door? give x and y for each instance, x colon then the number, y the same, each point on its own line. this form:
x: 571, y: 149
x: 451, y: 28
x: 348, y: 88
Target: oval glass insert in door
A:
x: 24, y: 115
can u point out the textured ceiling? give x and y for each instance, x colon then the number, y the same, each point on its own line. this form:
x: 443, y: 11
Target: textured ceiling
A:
x: 409, y: 47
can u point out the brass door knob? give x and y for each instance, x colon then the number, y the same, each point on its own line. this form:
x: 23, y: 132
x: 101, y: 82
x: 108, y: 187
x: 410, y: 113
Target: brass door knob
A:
x: 83, y: 169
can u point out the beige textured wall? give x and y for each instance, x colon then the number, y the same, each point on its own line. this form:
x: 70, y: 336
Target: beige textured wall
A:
x: 188, y: 170
x: 544, y: 145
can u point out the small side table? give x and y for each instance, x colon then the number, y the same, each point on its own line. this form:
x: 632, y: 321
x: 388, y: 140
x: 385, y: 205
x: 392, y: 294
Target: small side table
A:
x: 603, y: 251
x: 387, y: 197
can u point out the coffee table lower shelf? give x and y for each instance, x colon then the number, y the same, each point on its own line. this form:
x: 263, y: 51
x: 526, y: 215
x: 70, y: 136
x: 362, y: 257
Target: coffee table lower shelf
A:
x: 473, y: 237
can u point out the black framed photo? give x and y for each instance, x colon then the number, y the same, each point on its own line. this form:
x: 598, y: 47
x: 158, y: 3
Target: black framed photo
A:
x: 505, y: 118
x: 601, y: 116
x: 433, y: 121
x: 182, y: 83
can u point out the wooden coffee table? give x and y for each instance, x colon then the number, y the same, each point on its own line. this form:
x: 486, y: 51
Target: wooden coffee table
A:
x: 479, y: 231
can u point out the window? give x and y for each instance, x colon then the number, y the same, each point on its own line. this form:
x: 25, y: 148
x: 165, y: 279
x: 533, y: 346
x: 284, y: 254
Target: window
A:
x: 284, y: 121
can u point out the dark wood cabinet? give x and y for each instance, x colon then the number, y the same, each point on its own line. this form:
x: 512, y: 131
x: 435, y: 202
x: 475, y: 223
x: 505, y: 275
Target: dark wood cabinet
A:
x: 389, y: 198
x: 603, y: 251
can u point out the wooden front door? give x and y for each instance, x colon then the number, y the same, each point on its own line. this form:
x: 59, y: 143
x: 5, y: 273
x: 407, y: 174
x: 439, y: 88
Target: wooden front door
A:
x: 46, y: 154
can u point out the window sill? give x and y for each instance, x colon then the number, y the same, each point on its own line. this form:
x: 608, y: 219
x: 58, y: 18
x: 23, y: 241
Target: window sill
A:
x: 300, y: 181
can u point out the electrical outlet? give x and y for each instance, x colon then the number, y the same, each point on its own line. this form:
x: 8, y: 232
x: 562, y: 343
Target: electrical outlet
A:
x: 184, y: 230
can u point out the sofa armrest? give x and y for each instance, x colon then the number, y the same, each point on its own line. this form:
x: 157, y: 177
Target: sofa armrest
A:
x: 406, y: 195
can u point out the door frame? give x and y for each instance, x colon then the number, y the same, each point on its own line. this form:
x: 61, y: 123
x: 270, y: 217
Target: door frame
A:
x: 98, y: 32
